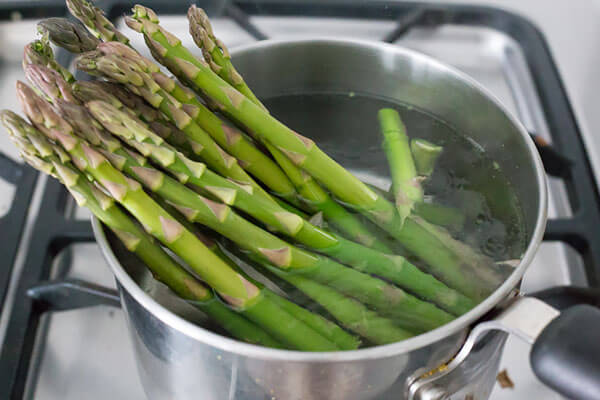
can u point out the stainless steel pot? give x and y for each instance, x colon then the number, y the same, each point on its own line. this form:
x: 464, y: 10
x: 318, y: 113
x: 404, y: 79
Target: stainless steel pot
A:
x: 178, y: 359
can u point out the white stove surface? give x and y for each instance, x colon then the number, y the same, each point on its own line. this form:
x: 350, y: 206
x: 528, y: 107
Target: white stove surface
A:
x: 86, y: 354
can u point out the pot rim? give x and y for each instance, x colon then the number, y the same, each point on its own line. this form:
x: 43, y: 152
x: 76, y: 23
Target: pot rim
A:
x: 383, y: 351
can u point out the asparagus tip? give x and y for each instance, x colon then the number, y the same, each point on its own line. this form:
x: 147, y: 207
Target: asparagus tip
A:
x: 67, y: 34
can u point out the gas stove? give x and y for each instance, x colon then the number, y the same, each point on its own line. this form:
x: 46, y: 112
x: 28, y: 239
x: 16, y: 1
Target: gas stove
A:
x: 63, y: 335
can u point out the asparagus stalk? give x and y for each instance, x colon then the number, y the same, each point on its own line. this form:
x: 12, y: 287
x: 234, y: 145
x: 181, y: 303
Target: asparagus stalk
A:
x: 350, y: 313
x: 77, y: 117
x: 320, y: 201
x: 39, y: 52
x: 447, y: 217
x: 405, y: 182
x: 46, y: 157
x: 390, y: 300
x: 229, y: 138
x: 68, y: 35
x: 447, y: 259
x: 49, y: 82
x: 124, y: 70
x: 94, y: 20
x: 215, y: 52
x: 252, y: 159
x: 395, y: 268
x: 425, y: 155
x: 231, y: 286
x: 325, y: 327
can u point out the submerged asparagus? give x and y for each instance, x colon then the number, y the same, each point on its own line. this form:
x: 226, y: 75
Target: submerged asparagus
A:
x: 350, y: 313
x: 231, y: 286
x: 447, y: 259
x: 405, y: 182
x: 425, y: 155
x: 48, y: 158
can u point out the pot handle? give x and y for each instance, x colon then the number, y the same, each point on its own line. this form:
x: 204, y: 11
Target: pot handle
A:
x: 565, y: 354
x: 70, y: 294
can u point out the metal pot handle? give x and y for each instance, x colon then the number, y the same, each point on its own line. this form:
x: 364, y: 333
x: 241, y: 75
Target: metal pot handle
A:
x: 70, y: 294
x: 565, y: 353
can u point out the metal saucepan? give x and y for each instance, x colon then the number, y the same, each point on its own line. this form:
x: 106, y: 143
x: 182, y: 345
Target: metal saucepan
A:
x: 179, y: 359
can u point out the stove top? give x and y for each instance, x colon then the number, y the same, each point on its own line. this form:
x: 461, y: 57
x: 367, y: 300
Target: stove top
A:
x: 55, y: 346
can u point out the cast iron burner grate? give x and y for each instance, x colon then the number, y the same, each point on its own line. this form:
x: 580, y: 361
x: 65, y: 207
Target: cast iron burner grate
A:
x: 53, y: 231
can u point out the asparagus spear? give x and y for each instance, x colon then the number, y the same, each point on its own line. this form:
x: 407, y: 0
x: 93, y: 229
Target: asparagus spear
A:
x: 446, y: 258
x: 350, y: 313
x: 320, y: 201
x: 425, y: 155
x: 405, y: 182
x: 253, y: 160
x: 114, y: 94
x: 315, y: 197
x: 94, y: 20
x: 395, y: 268
x: 448, y: 217
x: 328, y: 329
x: 125, y: 71
x: 231, y: 286
x: 228, y: 137
x: 263, y: 168
x: 68, y: 35
x: 216, y: 53
x: 48, y: 158
x: 39, y: 52
x: 49, y: 82
x: 390, y: 300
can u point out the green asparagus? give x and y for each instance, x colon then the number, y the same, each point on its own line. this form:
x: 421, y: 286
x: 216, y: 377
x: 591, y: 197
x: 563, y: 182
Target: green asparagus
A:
x: 350, y: 313
x: 446, y: 258
x: 231, y: 286
x: 68, y: 35
x: 94, y: 20
x: 395, y: 268
x: 46, y: 157
x: 124, y: 70
x: 425, y: 155
x: 405, y: 182
x: 39, y: 52
x: 215, y: 52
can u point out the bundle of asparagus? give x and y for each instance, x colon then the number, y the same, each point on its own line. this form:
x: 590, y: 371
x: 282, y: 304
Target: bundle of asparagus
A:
x: 153, y: 158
